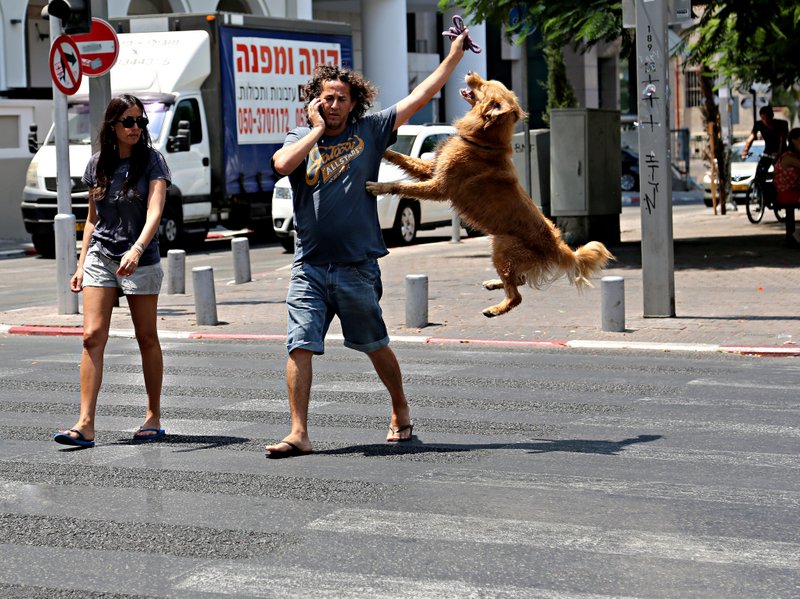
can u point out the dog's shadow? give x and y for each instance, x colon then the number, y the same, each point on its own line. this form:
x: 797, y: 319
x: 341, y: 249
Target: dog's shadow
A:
x: 416, y: 446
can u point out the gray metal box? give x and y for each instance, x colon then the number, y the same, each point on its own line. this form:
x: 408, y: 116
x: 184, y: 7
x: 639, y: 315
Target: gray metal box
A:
x: 585, y: 162
x: 540, y: 165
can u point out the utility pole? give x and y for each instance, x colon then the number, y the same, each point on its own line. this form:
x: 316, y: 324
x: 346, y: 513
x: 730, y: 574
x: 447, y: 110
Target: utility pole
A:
x: 655, y: 162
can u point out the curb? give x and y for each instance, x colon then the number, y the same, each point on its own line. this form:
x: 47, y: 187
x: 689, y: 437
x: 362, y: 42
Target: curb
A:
x: 745, y: 350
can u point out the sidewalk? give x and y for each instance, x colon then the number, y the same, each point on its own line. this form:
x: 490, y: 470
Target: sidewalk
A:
x: 736, y: 289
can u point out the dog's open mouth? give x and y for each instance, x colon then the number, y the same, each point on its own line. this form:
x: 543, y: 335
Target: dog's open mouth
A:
x: 468, y: 95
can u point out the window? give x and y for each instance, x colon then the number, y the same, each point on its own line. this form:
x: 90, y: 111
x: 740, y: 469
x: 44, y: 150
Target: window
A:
x: 188, y: 110
x: 694, y: 92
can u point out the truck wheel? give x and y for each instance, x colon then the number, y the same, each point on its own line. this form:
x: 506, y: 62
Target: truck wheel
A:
x: 171, y: 229
x: 44, y: 244
x: 404, y: 230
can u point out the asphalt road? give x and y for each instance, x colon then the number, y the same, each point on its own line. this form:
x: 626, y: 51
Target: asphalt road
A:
x: 534, y: 473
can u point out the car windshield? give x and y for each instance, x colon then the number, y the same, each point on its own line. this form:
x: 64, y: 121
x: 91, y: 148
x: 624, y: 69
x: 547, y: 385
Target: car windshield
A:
x: 753, y: 156
x: 403, y: 144
x: 80, y: 128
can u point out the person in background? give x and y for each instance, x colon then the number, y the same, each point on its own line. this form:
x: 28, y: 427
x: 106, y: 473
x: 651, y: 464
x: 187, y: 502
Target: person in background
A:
x: 773, y: 131
x: 127, y: 182
x: 787, y: 186
x: 335, y: 270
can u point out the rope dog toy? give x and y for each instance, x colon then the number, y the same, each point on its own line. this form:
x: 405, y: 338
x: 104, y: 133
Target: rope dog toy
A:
x: 456, y: 30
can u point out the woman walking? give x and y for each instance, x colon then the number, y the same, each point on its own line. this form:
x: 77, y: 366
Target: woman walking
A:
x: 127, y: 182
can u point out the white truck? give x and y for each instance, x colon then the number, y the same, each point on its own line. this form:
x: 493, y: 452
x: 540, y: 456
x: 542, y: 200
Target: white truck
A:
x: 399, y: 218
x: 221, y: 90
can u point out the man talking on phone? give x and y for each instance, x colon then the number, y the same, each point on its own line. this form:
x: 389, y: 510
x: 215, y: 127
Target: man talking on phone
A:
x: 338, y: 237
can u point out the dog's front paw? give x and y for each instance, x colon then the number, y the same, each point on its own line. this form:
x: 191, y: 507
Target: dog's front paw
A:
x: 375, y: 188
x: 493, y: 284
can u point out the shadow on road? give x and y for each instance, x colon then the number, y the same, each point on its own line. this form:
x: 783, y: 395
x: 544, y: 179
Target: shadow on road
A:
x: 595, y: 446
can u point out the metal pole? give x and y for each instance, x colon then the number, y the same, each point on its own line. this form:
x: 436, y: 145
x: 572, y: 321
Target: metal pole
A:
x: 655, y: 163
x: 99, y: 87
x: 66, y: 261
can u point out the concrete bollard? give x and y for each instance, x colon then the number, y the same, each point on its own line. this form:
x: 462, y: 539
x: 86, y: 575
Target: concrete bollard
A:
x: 176, y: 271
x: 416, y: 301
x: 205, y: 299
x: 64, y: 232
x: 612, y: 304
x: 240, y: 248
x: 455, y: 227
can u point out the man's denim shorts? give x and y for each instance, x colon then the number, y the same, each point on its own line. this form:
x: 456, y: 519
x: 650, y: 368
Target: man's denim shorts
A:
x: 350, y: 291
x: 101, y: 271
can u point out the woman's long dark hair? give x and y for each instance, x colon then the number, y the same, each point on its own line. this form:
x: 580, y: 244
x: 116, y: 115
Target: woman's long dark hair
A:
x: 109, y: 151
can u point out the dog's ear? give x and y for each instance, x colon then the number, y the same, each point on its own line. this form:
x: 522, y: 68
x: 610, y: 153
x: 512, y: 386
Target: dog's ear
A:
x: 495, y: 109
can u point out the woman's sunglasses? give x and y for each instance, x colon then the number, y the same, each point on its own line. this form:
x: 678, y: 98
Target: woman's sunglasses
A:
x: 129, y: 121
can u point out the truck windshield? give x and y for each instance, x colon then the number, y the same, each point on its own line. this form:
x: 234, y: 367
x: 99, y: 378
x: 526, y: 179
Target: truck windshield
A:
x: 80, y: 127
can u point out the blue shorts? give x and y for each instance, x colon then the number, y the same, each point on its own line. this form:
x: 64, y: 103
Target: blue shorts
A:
x: 352, y: 291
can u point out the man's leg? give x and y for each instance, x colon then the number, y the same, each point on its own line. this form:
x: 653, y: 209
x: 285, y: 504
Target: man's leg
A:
x: 298, y: 382
x: 388, y: 369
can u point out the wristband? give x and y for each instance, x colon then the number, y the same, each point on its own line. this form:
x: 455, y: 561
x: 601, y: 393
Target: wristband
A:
x: 140, y: 246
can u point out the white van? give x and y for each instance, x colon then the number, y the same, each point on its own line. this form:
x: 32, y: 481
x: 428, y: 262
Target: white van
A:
x: 400, y: 218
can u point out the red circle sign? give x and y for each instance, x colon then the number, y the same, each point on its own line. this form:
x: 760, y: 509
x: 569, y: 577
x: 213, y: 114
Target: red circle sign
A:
x: 99, y: 48
x: 65, y: 65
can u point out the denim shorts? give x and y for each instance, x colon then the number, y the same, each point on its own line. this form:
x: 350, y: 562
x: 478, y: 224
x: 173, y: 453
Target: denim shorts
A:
x: 101, y: 271
x: 350, y: 291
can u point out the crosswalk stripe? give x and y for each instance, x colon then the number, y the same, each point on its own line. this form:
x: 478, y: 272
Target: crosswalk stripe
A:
x: 439, y: 527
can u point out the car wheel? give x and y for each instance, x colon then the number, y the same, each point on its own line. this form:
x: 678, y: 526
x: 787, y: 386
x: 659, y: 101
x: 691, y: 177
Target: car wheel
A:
x: 473, y: 232
x: 404, y: 230
x: 629, y: 182
x: 44, y: 244
x: 287, y: 243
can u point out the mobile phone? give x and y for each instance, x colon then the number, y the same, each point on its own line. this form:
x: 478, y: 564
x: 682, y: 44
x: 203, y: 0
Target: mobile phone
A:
x: 322, y: 114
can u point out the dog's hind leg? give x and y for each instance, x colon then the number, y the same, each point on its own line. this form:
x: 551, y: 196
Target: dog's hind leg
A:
x: 492, y: 284
x: 511, y: 300
x: 416, y: 167
x: 503, y: 257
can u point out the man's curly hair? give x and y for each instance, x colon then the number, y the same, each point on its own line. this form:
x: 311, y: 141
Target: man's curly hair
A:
x: 362, y: 92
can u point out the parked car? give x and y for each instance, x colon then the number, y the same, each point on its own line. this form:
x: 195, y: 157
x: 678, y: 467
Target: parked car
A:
x: 742, y: 172
x: 400, y: 218
x: 630, y: 170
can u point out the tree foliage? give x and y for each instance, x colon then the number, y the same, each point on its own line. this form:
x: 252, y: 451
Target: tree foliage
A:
x: 743, y: 40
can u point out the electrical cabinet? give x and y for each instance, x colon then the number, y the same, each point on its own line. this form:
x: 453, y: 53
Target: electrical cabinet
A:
x: 585, y: 173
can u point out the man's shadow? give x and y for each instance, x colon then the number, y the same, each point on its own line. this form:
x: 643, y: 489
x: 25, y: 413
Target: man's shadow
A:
x: 415, y: 446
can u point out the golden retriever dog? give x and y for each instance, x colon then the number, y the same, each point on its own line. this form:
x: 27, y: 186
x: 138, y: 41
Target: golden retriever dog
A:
x: 473, y: 170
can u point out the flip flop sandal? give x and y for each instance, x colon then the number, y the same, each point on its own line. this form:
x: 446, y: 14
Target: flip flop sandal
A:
x: 396, y: 431
x: 293, y: 451
x: 159, y: 433
x: 66, y: 439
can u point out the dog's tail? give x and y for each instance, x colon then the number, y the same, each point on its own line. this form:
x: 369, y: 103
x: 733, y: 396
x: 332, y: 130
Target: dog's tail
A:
x: 587, y: 261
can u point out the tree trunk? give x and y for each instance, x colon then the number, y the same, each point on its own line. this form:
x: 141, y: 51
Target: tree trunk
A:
x: 717, y: 150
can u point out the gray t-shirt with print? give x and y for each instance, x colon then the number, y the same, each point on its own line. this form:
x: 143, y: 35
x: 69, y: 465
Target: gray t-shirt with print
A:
x: 336, y: 218
x: 121, y: 218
